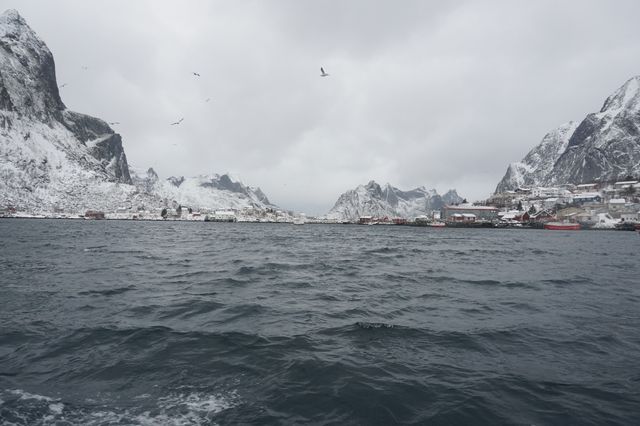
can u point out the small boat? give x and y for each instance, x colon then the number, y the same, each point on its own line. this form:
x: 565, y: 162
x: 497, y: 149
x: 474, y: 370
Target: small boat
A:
x: 437, y: 224
x: 562, y: 226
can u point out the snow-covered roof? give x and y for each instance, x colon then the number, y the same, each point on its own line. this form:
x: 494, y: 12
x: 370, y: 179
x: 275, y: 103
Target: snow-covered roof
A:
x: 617, y: 201
x: 587, y: 195
x: 470, y: 207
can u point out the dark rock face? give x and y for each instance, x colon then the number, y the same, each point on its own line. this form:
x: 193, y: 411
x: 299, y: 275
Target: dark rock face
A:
x: 605, y: 146
x: 85, y: 127
x: 5, y: 100
x: 110, y: 151
x: 28, y: 70
x: 176, y: 181
x: 108, y: 146
x: 225, y: 183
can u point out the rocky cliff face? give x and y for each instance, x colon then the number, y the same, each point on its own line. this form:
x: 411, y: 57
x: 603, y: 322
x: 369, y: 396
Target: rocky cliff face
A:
x: 53, y: 158
x: 373, y: 200
x: 605, y: 146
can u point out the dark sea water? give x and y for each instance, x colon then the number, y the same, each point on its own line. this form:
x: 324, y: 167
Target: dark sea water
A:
x: 113, y: 322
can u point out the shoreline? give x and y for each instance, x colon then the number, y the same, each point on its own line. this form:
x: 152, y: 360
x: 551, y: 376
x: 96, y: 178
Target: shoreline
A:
x: 408, y: 224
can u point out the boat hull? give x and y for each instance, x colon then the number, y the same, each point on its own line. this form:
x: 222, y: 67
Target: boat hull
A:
x: 555, y: 226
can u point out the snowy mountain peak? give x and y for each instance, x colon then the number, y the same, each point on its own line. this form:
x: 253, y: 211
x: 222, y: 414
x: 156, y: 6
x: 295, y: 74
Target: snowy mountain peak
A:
x: 12, y: 16
x: 604, y: 146
x: 626, y: 97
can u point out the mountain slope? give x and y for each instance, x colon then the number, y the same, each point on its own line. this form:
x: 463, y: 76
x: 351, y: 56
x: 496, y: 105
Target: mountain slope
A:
x: 605, y: 146
x: 539, y: 162
x: 373, y: 200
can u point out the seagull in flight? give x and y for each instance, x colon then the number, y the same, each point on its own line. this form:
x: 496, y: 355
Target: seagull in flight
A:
x: 63, y: 85
x: 113, y: 123
x: 322, y: 73
x: 196, y: 74
x: 84, y: 67
x: 177, y: 122
x: 208, y: 99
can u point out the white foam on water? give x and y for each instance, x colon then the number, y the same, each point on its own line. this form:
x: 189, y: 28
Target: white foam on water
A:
x: 143, y: 396
x: 185, y: 408
x: 56, y: 408
x: 26, y: 395
x: 174, y: 410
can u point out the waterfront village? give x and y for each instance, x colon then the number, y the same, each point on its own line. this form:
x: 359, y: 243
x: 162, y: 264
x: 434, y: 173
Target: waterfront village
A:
x: 614, y: 205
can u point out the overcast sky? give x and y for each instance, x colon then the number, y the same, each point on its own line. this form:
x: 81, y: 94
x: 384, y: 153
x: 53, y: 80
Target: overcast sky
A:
x: 433, y: 93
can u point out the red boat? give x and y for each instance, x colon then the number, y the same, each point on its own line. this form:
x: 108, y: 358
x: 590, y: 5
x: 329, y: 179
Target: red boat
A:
x: 562, y: 226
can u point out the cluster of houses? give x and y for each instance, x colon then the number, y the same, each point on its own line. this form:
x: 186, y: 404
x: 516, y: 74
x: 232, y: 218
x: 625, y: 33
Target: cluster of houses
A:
x: 173, y: 212
x: 593, y: 205
x: 183, y: 213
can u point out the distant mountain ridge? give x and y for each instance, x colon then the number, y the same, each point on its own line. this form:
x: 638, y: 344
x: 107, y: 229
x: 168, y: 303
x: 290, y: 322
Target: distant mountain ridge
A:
x: 605, y: 146
x: 373, y: 200
x: 210, y: 191
x: 52, y: 158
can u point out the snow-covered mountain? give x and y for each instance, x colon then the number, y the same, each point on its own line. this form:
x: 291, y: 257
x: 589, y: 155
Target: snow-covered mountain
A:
x: 205, y: 191
x: 52, y: 158
x: 373, y: 200
x: 605, y: 146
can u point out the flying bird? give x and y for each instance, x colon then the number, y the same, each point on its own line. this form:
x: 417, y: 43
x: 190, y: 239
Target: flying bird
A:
x: 63, y: 85
x: 322, y: 73
x: 113, y: 123
x: 196, y: 74
x: 177, y: 122
x: 85, y: 67
x: 208, y: 99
